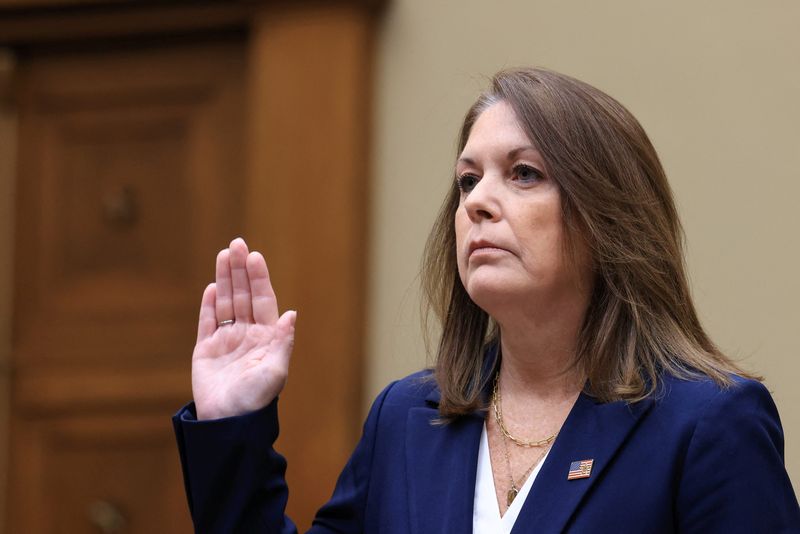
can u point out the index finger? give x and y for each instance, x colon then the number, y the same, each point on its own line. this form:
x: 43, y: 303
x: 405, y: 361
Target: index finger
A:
x: 265, y: 304
x: 224, y: 287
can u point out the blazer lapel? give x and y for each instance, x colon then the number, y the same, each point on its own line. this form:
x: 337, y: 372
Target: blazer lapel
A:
x: 442, y: 463
x: 592, y: 431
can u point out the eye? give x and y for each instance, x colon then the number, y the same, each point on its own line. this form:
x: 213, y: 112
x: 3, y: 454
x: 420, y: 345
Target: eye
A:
x: 527, y: 174
x: 466, y: 182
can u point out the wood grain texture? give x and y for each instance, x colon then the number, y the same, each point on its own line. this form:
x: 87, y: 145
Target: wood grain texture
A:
x: 107, y: 295
x: 306, y: 209
x: 136, y: 164
x: 166, y: 128
x: 73, y: 464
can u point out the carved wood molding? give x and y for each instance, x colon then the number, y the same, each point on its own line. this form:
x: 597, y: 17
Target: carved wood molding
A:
x: 7, y: 65
x: 42, y: 22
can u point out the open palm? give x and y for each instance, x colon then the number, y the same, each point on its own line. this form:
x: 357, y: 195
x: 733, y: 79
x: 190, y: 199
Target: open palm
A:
x: 241, y: 359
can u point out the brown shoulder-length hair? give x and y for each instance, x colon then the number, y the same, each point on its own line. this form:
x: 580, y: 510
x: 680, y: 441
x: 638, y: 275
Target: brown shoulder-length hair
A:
x: 640, y: 321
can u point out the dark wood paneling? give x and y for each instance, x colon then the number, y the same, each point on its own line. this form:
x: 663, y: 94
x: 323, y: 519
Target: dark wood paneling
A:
x: 128, y: 187
x: 139, y: 159
x: 307, y: 182
x: 130, y: 180
x: 83, y: 472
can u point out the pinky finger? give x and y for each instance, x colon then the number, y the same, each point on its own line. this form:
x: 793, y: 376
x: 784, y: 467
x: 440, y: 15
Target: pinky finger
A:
x: 207, y: 323
x: 285, y: 327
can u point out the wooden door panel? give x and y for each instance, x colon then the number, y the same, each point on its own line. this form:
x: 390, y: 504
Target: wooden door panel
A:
x: 128, y: 190
x: 82, y: 474
x: 130, y: 181
x: 133, y: 172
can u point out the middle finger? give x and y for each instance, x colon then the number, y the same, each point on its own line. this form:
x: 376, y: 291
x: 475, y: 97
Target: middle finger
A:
x: 242, y: 306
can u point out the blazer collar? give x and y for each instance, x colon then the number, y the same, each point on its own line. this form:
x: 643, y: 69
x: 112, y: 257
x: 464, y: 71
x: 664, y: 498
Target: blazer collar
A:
x: 442, y: 462
x: 592, y: 431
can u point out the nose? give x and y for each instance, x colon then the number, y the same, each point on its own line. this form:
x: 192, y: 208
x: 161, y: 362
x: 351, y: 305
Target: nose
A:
x: 481, y: 204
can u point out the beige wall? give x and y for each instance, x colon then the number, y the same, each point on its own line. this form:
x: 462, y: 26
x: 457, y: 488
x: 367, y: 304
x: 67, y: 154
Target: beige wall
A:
x: 716, y: 86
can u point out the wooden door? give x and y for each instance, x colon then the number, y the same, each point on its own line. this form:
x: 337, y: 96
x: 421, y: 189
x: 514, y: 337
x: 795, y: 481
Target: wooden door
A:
x: 130, y: 181
x: 150, y: 134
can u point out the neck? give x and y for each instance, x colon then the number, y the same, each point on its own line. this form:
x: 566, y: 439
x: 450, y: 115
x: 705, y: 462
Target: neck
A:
x: 539, y: 352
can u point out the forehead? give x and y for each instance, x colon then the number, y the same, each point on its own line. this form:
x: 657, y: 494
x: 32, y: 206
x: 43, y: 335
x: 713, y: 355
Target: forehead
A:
x: 497, y: 127
x: 496, y: 132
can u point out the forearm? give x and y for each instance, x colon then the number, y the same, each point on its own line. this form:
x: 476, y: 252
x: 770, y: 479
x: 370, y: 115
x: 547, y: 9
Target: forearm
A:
x: 234, y: 478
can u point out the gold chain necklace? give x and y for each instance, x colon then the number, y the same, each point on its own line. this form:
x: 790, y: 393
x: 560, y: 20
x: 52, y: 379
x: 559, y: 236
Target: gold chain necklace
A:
x: 545, y: 443
x: 514, y: 491
x: 498, y: 415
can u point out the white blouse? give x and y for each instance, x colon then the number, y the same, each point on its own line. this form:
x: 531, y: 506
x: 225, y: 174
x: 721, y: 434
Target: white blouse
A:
x: 486, y: 517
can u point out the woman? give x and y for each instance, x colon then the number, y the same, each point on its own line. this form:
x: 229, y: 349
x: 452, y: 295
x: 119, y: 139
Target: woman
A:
x: 574, y: 388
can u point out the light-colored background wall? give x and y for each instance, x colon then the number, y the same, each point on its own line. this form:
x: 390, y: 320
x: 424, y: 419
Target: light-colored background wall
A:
x: 715, y: 84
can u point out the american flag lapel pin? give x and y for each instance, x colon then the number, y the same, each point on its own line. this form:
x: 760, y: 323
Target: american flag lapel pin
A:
x: 580, y: 469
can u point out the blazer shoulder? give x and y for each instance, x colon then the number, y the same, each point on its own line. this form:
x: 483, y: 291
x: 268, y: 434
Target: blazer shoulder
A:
x: 394, y: 402
x: 414, y: 390
x: 732, y: 476
x: 700, y: 392
x: 691, y: 400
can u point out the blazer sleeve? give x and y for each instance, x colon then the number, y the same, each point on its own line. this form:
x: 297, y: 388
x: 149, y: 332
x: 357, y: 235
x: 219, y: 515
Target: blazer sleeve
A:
x: 234, y: 478
x: 734, y: 479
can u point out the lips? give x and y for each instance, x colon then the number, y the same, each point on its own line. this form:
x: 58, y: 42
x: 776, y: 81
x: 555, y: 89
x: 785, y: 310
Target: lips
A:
x: 484, y: 245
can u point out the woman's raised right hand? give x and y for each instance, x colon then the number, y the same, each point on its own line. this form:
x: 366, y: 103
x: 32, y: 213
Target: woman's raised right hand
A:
x: 241, y: 359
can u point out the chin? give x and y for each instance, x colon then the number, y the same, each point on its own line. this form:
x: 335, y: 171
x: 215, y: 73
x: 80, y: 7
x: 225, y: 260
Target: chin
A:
x: 493, y: 295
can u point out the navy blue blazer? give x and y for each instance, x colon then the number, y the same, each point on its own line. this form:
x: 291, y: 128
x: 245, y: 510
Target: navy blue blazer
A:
x: 696, y: 458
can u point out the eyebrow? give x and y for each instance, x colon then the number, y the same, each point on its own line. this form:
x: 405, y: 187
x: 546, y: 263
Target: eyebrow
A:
x: 511, y: 154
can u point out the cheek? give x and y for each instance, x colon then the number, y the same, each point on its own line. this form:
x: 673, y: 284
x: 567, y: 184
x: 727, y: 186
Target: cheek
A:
x: 541, y: 236
x: 462, y: 225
